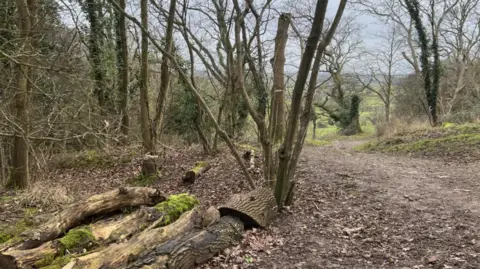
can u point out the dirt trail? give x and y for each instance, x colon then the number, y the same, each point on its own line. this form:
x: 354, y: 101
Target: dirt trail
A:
x: 358, y: 210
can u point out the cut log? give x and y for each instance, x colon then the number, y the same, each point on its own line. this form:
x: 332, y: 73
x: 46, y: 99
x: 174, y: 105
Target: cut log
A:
x: 191, y: 250
x: 251, y: 160
x: 25, y: 259
x: 193, y: 174
x: 77, y: 212
x: 118, y: 256
x: 256, y: 208
x: 75, y: 241
x: 102, y: 232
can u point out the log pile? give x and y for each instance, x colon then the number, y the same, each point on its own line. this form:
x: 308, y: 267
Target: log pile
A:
x: 157, y: 234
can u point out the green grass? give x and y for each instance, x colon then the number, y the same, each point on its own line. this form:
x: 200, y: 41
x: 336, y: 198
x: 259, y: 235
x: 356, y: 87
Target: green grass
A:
x: 442, y: 141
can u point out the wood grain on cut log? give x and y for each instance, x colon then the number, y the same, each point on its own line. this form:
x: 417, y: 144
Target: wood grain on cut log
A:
x: 193, y: 174
x: 188, y: 251
x: 23, y: 259
x: 119, y: 255
x: 256, y: 208
x: 95, y: 205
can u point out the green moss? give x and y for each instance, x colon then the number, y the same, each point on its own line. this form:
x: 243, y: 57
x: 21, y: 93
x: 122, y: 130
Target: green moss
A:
x: 174, y: 206
x: 142, y: 180
x: 199, y: 165
x: 94, y: 159
x: 79, y: 237
x: 57, y: 263
x: 452, y: 140
x: 4, y: 237
x: 45, y: 261
x: 317, y: 143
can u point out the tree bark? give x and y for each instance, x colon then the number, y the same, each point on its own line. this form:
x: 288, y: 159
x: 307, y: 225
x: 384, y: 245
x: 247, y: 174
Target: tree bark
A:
x: 95, y: 52
x: 149, y: 166
x: 122, y: 75
x: 193, y: 249
x: 277, y: 118
x: 20, y: 172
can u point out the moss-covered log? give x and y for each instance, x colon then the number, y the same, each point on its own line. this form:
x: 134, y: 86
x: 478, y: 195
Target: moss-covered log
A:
x: 193, y: 174
x: 256, y: 208
x: 193, y: 249
x: 103, y: 232
x: 76, y: 240
x: 118, y: 256
x: 77, y: 212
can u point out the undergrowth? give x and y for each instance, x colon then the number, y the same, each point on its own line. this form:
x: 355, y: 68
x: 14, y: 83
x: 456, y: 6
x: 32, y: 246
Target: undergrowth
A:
x: 448, y: 140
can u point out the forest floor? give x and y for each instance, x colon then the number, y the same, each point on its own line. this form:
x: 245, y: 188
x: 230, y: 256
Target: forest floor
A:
x: 352, y: 209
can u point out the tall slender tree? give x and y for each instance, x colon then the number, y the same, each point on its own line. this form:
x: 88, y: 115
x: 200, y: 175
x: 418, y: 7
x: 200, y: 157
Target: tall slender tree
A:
x: 20, y: 173
x: 122, y: 64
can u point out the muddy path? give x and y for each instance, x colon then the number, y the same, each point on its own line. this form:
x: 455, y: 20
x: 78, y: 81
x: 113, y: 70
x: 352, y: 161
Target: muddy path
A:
x: 358, y: 210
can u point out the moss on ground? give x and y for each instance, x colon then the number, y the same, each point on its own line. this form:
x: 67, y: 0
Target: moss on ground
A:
x: 142, y: 180
x: 175, y: 206
x: 442, y: 141
x: 317, y: 143
x: 94, y: 159
x: 12, y: 233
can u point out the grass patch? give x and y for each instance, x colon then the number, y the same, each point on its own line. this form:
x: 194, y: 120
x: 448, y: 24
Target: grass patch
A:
x: 93, y: 159
x: 142, y: 180
x: 453, y: 140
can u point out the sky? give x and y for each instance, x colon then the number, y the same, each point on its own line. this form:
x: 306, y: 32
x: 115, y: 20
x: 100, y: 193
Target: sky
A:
x: 371, y: 26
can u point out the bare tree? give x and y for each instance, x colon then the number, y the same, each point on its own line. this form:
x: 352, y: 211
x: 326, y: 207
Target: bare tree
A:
x: 381, y: 73
x: 460, y: 38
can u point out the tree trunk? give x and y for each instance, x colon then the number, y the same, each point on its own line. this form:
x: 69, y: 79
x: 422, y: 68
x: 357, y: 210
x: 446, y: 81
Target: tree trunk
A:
x: 164, y: 72
x: 20, y: 172
x: 78, y: 212
x: 285, y: 152
x: 277, y: 118
x: 95, y: 52
x: 149, y: 166
x: 122, y: 64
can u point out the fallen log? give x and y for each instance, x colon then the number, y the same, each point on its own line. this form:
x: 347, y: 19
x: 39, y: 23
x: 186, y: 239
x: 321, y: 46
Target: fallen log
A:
x: 86, y: 238
x: 118, y: 256
x: 193, y: 174
x: 77, y: 212
x: 187, y: 252
x: 256, y: 208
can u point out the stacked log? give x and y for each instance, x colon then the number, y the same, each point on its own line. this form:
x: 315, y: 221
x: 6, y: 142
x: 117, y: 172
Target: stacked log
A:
x: 150, y: 237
